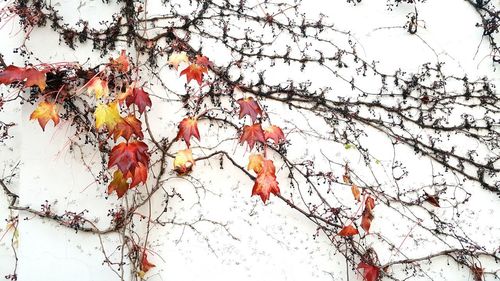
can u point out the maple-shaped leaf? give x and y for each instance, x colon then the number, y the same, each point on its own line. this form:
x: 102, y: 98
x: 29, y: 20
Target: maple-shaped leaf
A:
x: 128, y: 126
x: 140, y: 98
x: 266, y: 183
x: 145, y: 264
x: 139, y: 175
x: 255, y: 162
x: 188, y: 127
x: 355, y: 192
x: 275, y: 133
x: 29, y: 75
x: 44, y: 112
x: 121, y: 64
x: 370, y: 272
x: 183, y: 162
x: 250, y: 107
x: 119, y: 184
x: 108, y: 115
x: 98, y: 86
x: 177, y: 58
x: 366, y: 219
x: 127, y: 156
x: 194, y: 72
x: 203, y: 61
x: 252, y: 134
x: 348, y: 231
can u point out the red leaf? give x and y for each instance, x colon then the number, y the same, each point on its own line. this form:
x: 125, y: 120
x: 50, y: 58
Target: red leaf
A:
x: 187, y: 128
x: 370, y: 272
x: 127, y: 127
x: 29, y: 75
x: 432, y: 199
x: 119, y: 184
x: 194, y: 72
x: 275, y: 133
x: 369, y: 203
x: 252, y: 134
x: 348, y: 231
x: 140, y: 98
x: 366, y: 219
x: 478, y: 273
x: 127, y: 156
x: 266, y: 183
x: 139, y: 175
x: 203, y: 61
x: 145, y: 264
x: 250, y: 107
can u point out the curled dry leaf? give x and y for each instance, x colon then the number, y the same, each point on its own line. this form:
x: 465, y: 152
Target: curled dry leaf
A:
x: 432, y: 199
x: 183, y: 162
x: 250, y: 107
x: 188, y: 127
x: 44, y: 112
x: 355, y: 192
x: 252, y: 134
x: 275, y: 133
x: 348, y: 231
x: 145, y: 264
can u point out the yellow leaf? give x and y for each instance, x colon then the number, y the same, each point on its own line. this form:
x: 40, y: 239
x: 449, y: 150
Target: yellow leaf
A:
x: 255, y: 162
x: 176, y: 58
x: 183, y: 162
x: 107, y: 114
x: 44, y: 112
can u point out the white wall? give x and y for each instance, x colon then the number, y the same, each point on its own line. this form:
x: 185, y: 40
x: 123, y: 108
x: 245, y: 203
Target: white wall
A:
x: 273, y: 242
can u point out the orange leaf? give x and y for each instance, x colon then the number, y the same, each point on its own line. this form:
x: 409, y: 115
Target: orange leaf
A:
x: 348, y: 231
x: 275, y: 133
x: 140, y: 98
x: 369, y: 203
x: 355, y: 192
x: 44, y: 112
x: 119, y: 184
x: 252, y: 134
x: 29, y: 75
x: 121, y: 64
x: 128, y: 126
x: 266, y: 183
x: 255, y: 163
x: 194, y: 72
x: 188, y: 128
x: 127, y: 156
x: 98, y: 86
x: 145, y: 264
x: 250, y: 107
x: 370, y: 272
x: 183, y: 162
